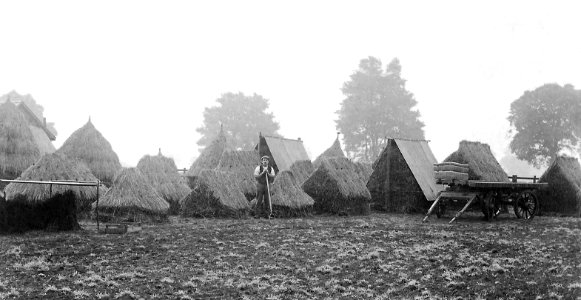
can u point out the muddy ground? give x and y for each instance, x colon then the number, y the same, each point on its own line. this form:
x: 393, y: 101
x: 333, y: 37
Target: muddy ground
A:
x: 381, y: 256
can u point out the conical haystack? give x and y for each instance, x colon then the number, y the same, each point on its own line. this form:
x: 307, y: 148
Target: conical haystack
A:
x: 242, y: 164
x: 564, y: 192
x: 209, y: 157
x: 132, y: 198
x: 18, y: 150
x: 216, y: 194
x: 288, y: 199
x: 337, y: 187
x: 302, y: 170
x: 482, y: 164
x: 55, y: 167
x: 333, y: 151
x: 161, y: 173
x: 88, y: 145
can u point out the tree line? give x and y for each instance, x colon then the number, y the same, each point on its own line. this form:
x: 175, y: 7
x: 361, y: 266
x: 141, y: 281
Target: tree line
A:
x: 377, y: 106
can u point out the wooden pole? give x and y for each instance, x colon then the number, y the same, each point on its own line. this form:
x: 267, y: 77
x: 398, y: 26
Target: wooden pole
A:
x: 463, y: 209
x: 432, y: 208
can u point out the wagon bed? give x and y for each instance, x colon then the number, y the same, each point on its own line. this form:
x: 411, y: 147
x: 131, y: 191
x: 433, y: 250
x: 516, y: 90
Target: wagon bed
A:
x: 492, y: 196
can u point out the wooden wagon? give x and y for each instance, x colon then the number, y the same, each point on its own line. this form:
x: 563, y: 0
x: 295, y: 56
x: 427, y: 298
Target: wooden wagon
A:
x: 493, y: 197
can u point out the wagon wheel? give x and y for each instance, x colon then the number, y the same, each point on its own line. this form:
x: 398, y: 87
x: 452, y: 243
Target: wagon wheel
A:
x: 489, y: 205
x: 526, y: 205
x: 441, y: 209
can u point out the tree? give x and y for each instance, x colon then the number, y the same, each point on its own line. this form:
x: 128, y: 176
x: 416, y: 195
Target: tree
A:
x: 377, y: 106
x: 242, y: 117
x: 545, y: 122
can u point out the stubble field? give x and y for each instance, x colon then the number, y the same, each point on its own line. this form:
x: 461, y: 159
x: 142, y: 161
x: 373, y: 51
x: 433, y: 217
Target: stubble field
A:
x: 381, y: 256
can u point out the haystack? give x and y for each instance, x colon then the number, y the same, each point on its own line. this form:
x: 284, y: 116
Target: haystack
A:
x: 482, y: 164
x: 242, y: 164
x: 288, y: 199
x: 302, y: 170
x: 18, y: 150
x: 564, y: 192
x: 210, y: 156
x: 337, y: 188
x: 87, y: 144
x: 55, y: 213
x: 55, y: 167
x: 333, y: 151
x: 132, y: 198
x: 161, y: 173
x: 215, y: 194
x: 403, y: 177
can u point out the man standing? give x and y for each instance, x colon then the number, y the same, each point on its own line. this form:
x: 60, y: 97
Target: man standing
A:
x: 261, y: 173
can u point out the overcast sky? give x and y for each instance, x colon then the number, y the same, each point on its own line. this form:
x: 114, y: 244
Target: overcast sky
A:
x: 145, y: 70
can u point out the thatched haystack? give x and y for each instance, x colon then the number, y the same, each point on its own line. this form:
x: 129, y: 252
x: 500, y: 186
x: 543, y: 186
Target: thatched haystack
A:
x: 333, y: 151
x: 564, y: 192
x: 288, y: 198
x: 209, y: 158
x: 403, y: 178
x: 18, y: 150
x: 216, y: 194
x: 337, y: 188
x: 483, y: 165
x: 55, y: 167
x: 87, y: 144
x: 161, y: 173
x: 302, y: 170
x: 242, y: 164
x: 56, y: 213
x: 364, y: 170
x: 132, y: 198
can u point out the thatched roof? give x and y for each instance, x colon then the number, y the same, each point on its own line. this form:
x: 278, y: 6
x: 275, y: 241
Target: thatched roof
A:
x: 161, y: 173
x: 18, y: 149
x: 282, y: 152
x: 42, y: 141
x: 53, y: 167
x: 210, y: 156
x: 483, y: 165
x: 32, y: 112
x: 88, y: 145
x: 131, y: 192
x: 333, y: 151
x: 215, y: 194
x: 302, y: 170
x: 242, y: 164
x: 564, y: 192
x: 337, y: 187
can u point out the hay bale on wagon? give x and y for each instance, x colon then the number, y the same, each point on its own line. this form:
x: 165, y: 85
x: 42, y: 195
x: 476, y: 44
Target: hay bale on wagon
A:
x: 20, y: 214
x: 88, y: 145
x: 564, y: 192
x: 242, y: 164
x: 333, y: 151
x: 161, y: 173
x: 132, y: 198
x: 482, y: 164
x: 302, y: 170
x: 337, y: 188
x: 55, y: 167
x: 216, y: 194
x: 402, y: 179
x: 18, y: 150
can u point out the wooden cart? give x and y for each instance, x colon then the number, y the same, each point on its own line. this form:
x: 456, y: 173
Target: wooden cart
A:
x: 493, y: 197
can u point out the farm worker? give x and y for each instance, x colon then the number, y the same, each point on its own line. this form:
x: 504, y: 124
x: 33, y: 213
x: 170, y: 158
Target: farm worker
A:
x: 262, y: 198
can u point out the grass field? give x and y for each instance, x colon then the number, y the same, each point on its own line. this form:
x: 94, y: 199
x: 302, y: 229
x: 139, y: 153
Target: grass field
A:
x: 381, y: 256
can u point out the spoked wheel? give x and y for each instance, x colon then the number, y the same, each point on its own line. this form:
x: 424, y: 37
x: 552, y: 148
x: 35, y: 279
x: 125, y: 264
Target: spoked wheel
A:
x: 488, y: 206
x: 441, y: 209
x: 526, y: 205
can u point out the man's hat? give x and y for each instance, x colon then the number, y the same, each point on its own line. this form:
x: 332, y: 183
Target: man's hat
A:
x: 266, y: 156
